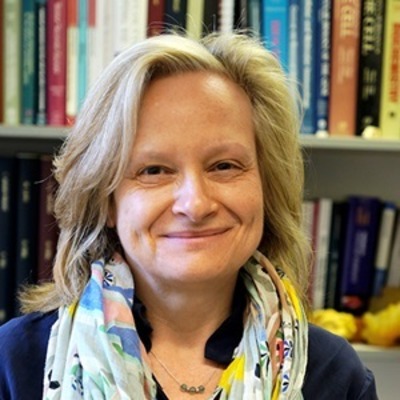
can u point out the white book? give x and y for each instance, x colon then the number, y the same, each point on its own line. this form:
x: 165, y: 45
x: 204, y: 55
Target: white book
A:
x: 227, y: 15
x: 322, y: 235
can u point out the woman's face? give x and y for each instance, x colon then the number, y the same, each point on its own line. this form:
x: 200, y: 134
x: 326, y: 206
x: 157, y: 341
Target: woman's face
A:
x: 190, y: 206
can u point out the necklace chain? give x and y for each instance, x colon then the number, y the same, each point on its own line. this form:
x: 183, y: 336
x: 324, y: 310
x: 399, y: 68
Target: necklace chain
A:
x: 183, y: 386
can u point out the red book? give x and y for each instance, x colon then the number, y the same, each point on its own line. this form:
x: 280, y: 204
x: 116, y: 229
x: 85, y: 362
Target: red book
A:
x: 48, y: 231
x: 155, y: 22
x: 56, y: 61
x: 344, y: 67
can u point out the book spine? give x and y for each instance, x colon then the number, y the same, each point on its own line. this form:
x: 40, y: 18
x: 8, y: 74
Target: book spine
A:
x: 253, y: 17
x: 211, y: 15
x: 12, y: 62
x: 226, y: 16
x: 92, y: 44
x: 383, y: 247
x: 320, y: 267
x: 370, y: 68
x: 1, y: 61
x: 323, y: 60
x: 359, y: 250
x: 7, y: 238
x: 47, y: 228
x: 28, y: 62
x: 308, y: 62
x: 155, y: 21
x: 275, y: 28
x: 82, y: 50
x: 241, y: 14
x: 41, y: 112
x: 140, y: 18
x: 389, y: 121
x: 194, y: 18
x: 335, y: 254
x: 27, y: 219
x: 393, y: 279
x: 175, y: 14
x: 56, y: 61
x: 72, y: 62
x: 294, y: 46
x: 344, y: 67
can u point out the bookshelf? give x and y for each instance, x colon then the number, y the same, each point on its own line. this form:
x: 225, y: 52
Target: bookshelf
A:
x: 334, y: 167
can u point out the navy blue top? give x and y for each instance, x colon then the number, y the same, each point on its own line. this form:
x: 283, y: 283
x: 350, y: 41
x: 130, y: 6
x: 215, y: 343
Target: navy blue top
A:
x: 334, y: 370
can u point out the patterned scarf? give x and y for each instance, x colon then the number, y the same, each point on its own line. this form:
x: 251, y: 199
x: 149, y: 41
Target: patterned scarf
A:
x: 94, y: 351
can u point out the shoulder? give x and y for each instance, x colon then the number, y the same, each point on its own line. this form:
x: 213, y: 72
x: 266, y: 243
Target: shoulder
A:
x: 23, y: 345
x: 332, y: 359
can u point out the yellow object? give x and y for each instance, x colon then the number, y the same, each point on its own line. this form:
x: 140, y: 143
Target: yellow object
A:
x: 339, y: 323
x: 383, y: 327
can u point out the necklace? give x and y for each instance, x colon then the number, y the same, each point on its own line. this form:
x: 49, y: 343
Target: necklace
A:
x: 183, y: 386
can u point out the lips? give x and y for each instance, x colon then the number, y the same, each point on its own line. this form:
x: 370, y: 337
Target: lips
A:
x: 190, y: 234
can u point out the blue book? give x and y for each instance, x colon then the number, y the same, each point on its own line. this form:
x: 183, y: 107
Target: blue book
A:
x: 359, y: 251
x: 28, y: 62
x: 27, y: 202
x: 308, y: 62
x: 294, y: 46
x: 175, y: 14
x: 275, y: 29
x: 7, y: 237
x: 322, y: 65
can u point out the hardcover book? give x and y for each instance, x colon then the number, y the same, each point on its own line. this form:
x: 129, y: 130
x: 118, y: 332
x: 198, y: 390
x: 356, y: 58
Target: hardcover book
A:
x: 344, y: 67
x: 41, y: 111
x: 56, y: 61
x: 7, y: 236
x: 370, y: 67
x: 389, y: 122
x: 155, y: 21
x: 175, y: 15
x: 358, y: 254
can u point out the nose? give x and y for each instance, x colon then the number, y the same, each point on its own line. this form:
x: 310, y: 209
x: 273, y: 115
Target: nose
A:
x: 194, y: 198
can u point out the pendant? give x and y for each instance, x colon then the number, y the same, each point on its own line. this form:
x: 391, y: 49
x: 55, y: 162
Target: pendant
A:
x: 192, y: 389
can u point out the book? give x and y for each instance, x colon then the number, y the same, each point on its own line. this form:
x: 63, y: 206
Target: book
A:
x: 47, y: 227
x: 335, y: 254
x: 175, y: 15
x: 71, y: 93
x: 389, y: 119
x: 7, y: 243
x: 253, y: 17
x: 226, y: 16
x: 139, y: 20
x: 358, y: 253
x: 322, y: 67
x: 344, y: 67
x: 27, y: 201
x: 155, y: 19
x: 82, y: 21
x: 308, y: 64
x: 241, y: 13
x: 384, y: 242
x: 370, y: 64
x: 56, y: 61
x: 294, y: 47
x: 1, y: 62
x: 275, y: 28
x: 393, y: 278
x: 41, y: 111
x: 211, y: 16
x: 12, y: 62
x: 322, y: 230
x: 29, y: 66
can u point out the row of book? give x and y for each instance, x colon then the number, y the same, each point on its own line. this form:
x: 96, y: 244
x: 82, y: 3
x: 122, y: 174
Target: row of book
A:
x: 342, y: 55
x: 28, y: 232
x: 356, y: 251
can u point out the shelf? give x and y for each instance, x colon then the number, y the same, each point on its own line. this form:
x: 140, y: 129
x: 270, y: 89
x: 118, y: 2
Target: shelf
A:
x: 349, y: 143
x: 33, y: 132
x: 375, y: 353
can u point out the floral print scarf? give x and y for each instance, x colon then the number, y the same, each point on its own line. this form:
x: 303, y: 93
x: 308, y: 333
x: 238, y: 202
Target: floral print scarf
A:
x: 94, y: 351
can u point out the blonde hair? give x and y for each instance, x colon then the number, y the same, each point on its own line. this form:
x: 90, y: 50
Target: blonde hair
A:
x: 96, y: 153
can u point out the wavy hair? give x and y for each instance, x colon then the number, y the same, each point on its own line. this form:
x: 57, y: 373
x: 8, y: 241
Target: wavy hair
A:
x: 96, y: 152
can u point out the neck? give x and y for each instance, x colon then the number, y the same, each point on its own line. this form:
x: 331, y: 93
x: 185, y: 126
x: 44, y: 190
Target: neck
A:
x: 186, y: 314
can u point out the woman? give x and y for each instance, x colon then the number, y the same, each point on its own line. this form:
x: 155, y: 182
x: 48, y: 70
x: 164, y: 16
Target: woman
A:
x: 181, y: 267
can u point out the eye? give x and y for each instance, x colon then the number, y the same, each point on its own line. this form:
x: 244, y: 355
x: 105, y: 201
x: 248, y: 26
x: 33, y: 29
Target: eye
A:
x: 225, y: 166
x: 152, y: 170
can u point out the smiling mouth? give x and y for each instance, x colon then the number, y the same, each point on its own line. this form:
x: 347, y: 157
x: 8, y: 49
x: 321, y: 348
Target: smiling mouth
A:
x: 196, y: 234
